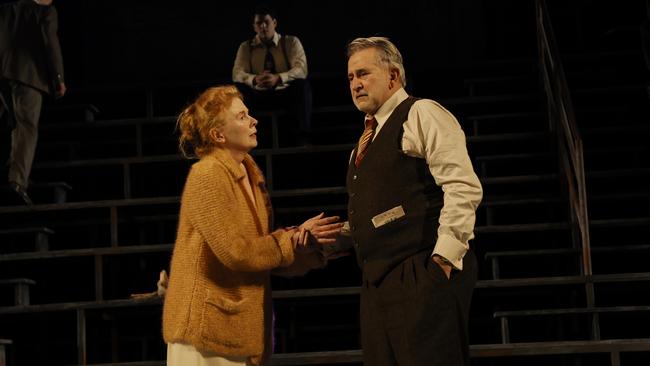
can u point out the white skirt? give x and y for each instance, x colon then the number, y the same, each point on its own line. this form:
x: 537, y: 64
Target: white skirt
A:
x: 179, y: 354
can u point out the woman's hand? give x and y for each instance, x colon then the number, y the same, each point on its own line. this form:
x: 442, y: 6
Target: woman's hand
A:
x: 322, y: 229
x: 301, y: 241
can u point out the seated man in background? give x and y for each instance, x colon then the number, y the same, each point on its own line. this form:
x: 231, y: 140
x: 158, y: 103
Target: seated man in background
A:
x: 270, y: 70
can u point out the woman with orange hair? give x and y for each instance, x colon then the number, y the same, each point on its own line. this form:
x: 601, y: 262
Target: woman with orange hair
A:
x: 217, y: 308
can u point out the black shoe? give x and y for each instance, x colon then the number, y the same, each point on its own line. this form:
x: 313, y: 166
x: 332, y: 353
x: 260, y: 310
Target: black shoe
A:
x: 19, y: 194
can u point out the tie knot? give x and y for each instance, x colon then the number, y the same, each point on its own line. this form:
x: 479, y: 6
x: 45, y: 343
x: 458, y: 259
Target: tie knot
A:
x: 371, y: 123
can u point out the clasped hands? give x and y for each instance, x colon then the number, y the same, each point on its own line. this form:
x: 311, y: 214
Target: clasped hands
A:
x: 267, y: 80
x: 316, y: 232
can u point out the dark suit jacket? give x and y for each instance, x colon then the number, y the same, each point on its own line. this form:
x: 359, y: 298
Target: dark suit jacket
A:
x: 29, y: 46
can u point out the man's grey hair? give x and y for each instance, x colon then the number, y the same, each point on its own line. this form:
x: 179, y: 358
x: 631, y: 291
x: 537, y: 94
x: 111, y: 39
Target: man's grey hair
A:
x: 388, y: 54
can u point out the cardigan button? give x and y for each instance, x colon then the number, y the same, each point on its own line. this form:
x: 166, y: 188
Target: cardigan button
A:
x: 354, y: 177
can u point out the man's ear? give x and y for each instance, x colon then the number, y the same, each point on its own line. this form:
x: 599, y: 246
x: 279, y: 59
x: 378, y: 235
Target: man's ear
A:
x: 394, y: 77
x: 217, y: 136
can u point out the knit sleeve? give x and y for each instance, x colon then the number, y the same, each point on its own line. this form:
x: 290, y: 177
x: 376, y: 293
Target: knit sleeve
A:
x: 303, y: 263
x: 209, y: 202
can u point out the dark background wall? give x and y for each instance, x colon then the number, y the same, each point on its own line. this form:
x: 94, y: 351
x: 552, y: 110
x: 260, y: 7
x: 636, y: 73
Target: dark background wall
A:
x: 138, y: 41
x: 124, y: 41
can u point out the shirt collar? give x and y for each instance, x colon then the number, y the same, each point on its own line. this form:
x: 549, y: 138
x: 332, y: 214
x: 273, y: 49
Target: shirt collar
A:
x: 257, y: 42
x: 389, y: 105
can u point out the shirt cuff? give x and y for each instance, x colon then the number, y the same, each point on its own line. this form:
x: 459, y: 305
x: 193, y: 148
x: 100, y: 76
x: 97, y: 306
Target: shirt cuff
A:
x: 284, y: 77
x: 451, y: 249
x: 249, y: 81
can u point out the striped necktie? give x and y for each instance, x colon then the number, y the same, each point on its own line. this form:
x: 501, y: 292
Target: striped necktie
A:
x: 364, y: 141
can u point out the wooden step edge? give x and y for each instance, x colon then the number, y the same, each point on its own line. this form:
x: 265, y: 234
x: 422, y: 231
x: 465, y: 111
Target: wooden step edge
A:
x: 27, y: 230
x: 490, y: 158
x: 496, y: 137
x: 563, y: 280
x: 475, y: 350
x: 559, y: 347
x: 619, y: 222
x: 86, y: 252
x: 569, y: 311
x: 42, y: 185
x: 336, y: 291
x: 500, y: 116
x: 594, y: 249
x: 14, y: 281
x: 546, y: 226
x: 145, y: 201
x: 520, y: 179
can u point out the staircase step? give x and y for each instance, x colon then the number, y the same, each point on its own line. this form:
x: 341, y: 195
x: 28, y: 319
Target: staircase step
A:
x: 58, y: 191
x: 87, y: 252
x: 21, y: 289
x: 41, y: 238
x: 549, y: 226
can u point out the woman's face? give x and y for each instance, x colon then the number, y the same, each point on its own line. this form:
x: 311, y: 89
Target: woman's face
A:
x: 239, y: 132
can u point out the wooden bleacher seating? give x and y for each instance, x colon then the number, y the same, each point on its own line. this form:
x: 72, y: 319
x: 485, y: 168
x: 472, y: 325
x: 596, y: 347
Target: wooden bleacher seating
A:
x: 3, y: 353
x: 41, y: 235
x: 21, y: 289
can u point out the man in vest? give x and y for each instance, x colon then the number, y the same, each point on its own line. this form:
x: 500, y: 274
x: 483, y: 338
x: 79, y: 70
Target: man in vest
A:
x: 31, y: 65
x: 413, y: 195
x: 270, y: 70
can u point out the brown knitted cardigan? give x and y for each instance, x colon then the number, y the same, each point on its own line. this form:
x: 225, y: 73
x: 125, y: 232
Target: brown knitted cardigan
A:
x: 219, y: 295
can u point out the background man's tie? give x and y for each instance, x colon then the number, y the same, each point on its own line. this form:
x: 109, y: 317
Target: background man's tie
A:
x: 364, y: 141
x: 269, y: 61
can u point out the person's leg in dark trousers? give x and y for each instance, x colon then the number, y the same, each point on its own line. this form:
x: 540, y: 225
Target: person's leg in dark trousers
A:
x: 423, y: 313
x: 27, y: 103
x: 374, y: 339
x: 6, y: 126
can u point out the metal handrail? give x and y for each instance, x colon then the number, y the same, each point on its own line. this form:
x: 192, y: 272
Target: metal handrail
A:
x: 562, y: 121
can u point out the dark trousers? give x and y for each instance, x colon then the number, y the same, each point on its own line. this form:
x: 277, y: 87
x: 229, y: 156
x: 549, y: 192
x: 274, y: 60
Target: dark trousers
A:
x: 296, y: 99
x: 20, y: 110
x: 416, y: 316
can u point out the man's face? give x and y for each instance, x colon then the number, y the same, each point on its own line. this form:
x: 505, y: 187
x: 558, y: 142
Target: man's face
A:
x: 264, y: 26
x: 370, y: 81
